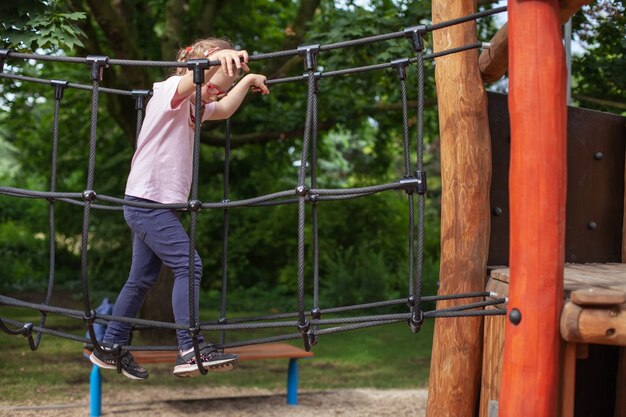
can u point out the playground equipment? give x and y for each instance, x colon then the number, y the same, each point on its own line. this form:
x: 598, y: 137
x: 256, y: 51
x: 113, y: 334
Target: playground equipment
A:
x: 521, y: 367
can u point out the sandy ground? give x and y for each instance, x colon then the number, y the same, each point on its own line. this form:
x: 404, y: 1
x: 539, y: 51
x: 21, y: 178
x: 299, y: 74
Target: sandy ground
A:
x: 230, y: 402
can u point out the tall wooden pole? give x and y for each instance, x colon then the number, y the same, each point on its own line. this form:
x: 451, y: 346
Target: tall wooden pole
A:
x: 465, y: 218
x: 537, y: 185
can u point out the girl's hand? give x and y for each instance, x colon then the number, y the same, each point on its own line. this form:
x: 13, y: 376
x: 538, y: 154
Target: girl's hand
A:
x: 257, y: 82
x: 231, y: 60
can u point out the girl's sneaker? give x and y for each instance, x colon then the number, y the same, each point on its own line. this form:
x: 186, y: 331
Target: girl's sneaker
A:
x: 130, y: 368
x: 212, y: 359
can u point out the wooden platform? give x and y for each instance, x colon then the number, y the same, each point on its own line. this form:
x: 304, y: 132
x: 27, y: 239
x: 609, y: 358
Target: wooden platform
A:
x: 594, y: 312
x: 246, y: 353
x: 576, y: 277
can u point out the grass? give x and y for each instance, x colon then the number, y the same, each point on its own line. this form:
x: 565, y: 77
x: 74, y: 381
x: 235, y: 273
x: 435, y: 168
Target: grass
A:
x: 388, y: 356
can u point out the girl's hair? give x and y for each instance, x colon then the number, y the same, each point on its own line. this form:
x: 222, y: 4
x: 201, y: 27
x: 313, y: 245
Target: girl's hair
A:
x: 197, y: 50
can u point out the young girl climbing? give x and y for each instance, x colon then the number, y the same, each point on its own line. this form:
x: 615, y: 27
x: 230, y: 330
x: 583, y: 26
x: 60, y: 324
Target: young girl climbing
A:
x: 161, y: 171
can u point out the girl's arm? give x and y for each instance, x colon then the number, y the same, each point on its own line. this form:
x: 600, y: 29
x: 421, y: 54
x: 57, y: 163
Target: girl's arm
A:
x: 230, y: 63
x: 227, y: 106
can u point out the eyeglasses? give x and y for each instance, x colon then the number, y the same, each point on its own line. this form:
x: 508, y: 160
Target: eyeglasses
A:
x: 214, y: 90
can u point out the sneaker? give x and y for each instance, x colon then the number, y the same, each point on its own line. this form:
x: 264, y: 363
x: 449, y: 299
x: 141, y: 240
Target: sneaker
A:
x: 130, y: 368
x: 212, y: 359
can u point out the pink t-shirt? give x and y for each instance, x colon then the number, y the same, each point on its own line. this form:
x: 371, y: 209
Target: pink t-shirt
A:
x: 161, y: 168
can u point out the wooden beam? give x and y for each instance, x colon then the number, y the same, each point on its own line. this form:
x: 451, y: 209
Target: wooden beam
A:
x: 494, y: 61
x: 465, y: 218
x: 537, y: 184
x: 600, y: 325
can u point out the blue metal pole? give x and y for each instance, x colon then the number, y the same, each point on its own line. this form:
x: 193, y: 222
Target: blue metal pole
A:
x: 95, y: 392
x: 292, y: 382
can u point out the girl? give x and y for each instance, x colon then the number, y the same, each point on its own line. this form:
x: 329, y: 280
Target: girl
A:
x: 161, y: 171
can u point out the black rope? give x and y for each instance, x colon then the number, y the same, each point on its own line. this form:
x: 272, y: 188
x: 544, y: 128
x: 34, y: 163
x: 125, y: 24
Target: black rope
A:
x: 410, y: 184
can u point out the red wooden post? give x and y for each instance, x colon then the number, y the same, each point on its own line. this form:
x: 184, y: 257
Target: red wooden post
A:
x: 537, y: 197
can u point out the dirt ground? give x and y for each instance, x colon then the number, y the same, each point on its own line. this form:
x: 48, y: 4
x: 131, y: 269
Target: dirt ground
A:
x: 230, y: 402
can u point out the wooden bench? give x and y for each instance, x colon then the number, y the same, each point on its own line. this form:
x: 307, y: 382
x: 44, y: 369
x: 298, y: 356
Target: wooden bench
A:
x: 246, y: 353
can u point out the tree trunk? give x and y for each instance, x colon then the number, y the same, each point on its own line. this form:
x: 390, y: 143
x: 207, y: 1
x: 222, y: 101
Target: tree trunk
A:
x: 465, y: 223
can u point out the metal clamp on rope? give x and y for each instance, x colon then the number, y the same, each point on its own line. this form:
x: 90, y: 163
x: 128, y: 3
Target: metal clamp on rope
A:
x: 408, y: 184
x: 316, y: 313
x: 27, y: 332
x: 89, y: 319
x: 400, y: 66
x: 194, y: 331
x: 420, y: 177
x: 416, y: 320
x: 59, y: 87
x: 89, y: 195
x: 302, y: 190
x: 411, y: 302
x: 310, y: 53
x: 194, y: 205
x: 98, y: 63
x: 27, y: 329
x: 414, y: 34
x: 4, y: 54
x: 140, y: 98
x: 303, y: 327
x: 314, y: 198
x: 198, y: 66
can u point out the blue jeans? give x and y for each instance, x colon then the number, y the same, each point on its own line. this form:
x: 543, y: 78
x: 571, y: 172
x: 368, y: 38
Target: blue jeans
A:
x: 159, y: 239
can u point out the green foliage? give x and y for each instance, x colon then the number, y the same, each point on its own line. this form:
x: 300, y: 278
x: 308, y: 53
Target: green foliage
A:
x: 39, y: 24
x: 363, y: 242
x: 599, y: 72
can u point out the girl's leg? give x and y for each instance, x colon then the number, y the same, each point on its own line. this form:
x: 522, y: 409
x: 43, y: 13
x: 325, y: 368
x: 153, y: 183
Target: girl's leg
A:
x: 144, y: 273
x: 164, y: 234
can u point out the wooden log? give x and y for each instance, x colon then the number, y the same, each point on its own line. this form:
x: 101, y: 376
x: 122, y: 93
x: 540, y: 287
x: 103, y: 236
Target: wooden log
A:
x: 600, y: 325
x: 465, y: 219
x: 537, y: 184
x: 494, y: 61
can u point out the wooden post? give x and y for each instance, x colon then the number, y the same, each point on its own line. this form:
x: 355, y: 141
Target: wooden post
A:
x: 537, y: 199
x: 465, y: 218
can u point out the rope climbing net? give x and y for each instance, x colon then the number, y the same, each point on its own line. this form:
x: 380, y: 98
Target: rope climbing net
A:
x: 308, y: 323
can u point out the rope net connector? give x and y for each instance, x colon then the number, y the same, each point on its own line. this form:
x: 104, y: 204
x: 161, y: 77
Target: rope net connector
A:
x: 59, y: 88
x: 194, y: 205
x: 27, y: 332
x: 4, y: 54
x: 89, y: 195
x: 400, y: 66
x: 416, y: 321
x: 302, y: 190
x: 140, y: 98
x: 415, y: 35
x: 420, y: 177
x: 316, y: 313
x: 409, y: 184
x: 309, y: 52
x: 198, y: 66
x: 89, y: 319
x: 97, y: 63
